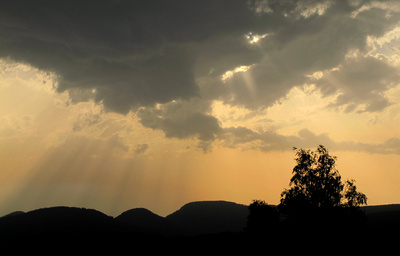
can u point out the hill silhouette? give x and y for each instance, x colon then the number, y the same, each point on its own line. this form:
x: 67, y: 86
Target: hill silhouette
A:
x: 55, y: 221
x: 13, y: 214
x: 143, y: 220
x: 194, y: 223
x: 207, y: 217
x: 385, y: 217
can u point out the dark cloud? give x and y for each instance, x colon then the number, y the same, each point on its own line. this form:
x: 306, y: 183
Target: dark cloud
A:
x: 267, y: 141
x: 135, y: 53
x: 270, y: 141
x: 303, y: 46
x: 182, y: 120
x: 165, y: 59
x: 138, y: 53
x: 361, y: 81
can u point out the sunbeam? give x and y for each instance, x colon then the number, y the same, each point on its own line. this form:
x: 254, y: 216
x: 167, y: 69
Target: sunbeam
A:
x: 122, y: 104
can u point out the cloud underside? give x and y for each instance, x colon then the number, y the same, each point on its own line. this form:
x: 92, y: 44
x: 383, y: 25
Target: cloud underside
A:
x: 270, y: 141
x: 168, y: 61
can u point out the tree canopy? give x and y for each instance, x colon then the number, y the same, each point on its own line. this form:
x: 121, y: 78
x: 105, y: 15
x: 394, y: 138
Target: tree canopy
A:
x: 317, y: 193
x: 317, y: 197
x: 316, y: 183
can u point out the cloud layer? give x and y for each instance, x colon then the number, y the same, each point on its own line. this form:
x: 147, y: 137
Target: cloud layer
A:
x: 168, y: 61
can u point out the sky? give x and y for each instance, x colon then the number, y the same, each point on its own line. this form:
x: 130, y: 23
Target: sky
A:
x: 114, y: 105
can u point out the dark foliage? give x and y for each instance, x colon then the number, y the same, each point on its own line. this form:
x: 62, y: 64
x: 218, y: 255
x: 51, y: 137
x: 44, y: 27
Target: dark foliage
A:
x: 317, y: 193
x: 317, y: 201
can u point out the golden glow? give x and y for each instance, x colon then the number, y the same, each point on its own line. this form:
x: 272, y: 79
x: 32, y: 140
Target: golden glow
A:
x: 246, y: 78
x: 229, y: 74
x: 309, y: 10
x: 254, y: 38
x: 53, y: 152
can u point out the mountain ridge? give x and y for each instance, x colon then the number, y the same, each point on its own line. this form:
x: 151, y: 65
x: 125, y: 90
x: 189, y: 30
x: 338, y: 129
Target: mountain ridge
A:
x: 137, y: 220
x: 192, y: 219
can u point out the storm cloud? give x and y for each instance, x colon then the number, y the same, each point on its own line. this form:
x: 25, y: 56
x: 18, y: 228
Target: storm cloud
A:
x: 168, y: 60
x: 133, y: 53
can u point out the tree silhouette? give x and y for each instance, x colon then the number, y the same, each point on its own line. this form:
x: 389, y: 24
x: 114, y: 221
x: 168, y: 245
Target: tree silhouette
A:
x: 317, y: 194
x: 352, y: 197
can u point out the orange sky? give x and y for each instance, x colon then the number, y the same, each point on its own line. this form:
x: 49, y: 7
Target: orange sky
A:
x: 82, y: 127
x: 46, y: 163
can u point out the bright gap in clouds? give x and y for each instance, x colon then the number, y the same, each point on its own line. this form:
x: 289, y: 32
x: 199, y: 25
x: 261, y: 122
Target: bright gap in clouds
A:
x: 229, y: 74
x: 301, y: 107
x: 254, y: 38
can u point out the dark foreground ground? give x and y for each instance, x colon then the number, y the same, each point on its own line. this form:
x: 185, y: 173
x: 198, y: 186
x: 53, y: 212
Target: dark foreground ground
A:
x: 293, y: 241
x: 206, y: 227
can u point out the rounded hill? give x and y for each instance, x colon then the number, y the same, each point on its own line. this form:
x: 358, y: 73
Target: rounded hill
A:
x: 143, y: 220
x: 208, y: 217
